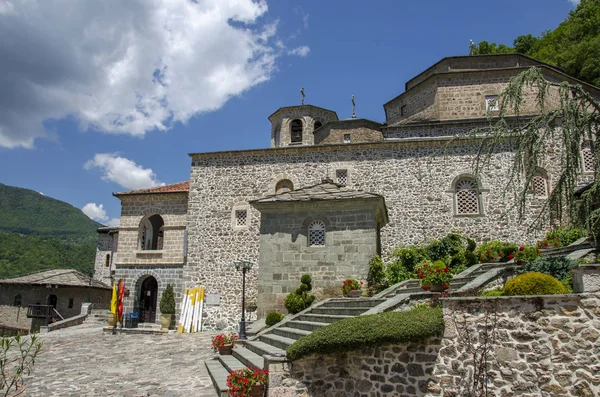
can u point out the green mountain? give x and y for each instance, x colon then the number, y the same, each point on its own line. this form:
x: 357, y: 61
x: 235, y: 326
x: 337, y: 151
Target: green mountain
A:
x: 41, y: 233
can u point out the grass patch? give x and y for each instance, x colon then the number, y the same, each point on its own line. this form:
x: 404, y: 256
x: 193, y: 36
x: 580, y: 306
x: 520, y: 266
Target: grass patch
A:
x: 368, y: 331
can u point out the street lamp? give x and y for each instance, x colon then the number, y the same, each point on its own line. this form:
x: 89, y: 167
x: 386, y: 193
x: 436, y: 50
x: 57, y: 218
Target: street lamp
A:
x: 244, y: 266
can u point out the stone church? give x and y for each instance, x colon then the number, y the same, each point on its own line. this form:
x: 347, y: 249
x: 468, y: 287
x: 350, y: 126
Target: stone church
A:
x: 327, y: 196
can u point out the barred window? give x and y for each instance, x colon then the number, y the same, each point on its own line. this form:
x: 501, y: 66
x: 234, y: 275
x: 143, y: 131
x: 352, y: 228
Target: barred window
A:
x: 491, y: 103
x: 588, y: 158
x: 316, y: 233
x: 466, y: 196
x: 241, y: 217
x: 347, y: 138
x: 342, y: 177
x: 539, y: 185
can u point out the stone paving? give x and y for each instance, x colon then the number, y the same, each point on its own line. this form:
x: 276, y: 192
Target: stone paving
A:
x: 82, y: 361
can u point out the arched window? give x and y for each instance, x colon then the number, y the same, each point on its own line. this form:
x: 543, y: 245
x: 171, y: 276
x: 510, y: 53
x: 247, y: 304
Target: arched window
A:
x: 296, y: 131
x: 466, y: 197
x: 588, y: 157
x: 539, y: 184
x: 107, y: 262
x: 17, y: 301
x: 151, y: 233
x: 316, y: 233
x: 284, y: 185
x: 318, y: 124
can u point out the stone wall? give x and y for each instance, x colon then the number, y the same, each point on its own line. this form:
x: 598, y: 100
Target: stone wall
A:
x: 14, y: 317
x: 281, y: 123
x: 105, y: 256
x: 359, y: 130
x: 537, y: 346
x: 285, y: 255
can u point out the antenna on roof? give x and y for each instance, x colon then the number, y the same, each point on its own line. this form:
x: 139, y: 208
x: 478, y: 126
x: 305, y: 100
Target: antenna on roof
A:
x: 472, y: 47
x: 302, y: 92
x: 353, y: 108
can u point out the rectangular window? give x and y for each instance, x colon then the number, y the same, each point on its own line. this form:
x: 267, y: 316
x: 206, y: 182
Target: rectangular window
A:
x: 70, y: 303
x: 241, y: 217
x: 342, y: 177
x: 491, y: 103
x: 346, y: 138
x: 403, y: 110
x: 588, y: 158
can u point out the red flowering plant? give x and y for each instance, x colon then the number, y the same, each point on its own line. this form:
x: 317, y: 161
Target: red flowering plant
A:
x: 351, y: 285
x: 223, y: 339
x: 436, y: 273
x: 242, y: 381
x: 526, y: 253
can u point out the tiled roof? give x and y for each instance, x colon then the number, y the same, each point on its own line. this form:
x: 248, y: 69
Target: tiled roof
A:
x: 323, y: 191
x: 172, y: 188
x: 66, y: 277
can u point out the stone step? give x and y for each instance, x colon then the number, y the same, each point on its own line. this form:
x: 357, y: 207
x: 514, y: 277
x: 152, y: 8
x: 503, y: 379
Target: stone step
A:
x: 353, y: 302
x: 349, y: 311
x: 413, y: 290
x: 278, y: 341
x: 218, y: 374
x: 249, y: 358
x: 305, y: 325
x: 230, y: 362
x: 321, y: 318
x: 291, y: 333
x: 148, y: 326
x: 262, y: 348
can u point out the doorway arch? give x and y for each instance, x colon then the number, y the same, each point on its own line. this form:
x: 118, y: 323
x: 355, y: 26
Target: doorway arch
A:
x: 52, y: 300
x: 147, y: 300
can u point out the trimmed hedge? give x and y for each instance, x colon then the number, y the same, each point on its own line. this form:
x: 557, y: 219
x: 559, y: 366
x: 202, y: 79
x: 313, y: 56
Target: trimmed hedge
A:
x: 273, y: 318
x: 366, y: 331
x: 534, y: 283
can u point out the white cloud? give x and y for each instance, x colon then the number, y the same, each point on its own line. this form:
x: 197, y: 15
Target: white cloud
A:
x: 300, y: 51
x: 574, y: 2
x: 98, y: 213
x: 126, y: 67
x: 123, y: 171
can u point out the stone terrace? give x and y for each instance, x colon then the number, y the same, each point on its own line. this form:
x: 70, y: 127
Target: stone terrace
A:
x: 82, y: 361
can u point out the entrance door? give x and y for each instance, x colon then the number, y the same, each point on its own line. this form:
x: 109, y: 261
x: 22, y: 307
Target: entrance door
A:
x: 52, y: 300
x: 148, y: 295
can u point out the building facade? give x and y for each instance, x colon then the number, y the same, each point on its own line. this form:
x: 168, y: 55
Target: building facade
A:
x: 240, y: 205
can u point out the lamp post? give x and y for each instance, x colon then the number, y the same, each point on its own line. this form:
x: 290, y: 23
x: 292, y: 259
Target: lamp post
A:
x: 244, y: 266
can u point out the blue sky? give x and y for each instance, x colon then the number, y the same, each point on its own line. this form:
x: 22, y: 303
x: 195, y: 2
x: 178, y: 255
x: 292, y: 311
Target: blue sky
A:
x: 112, y: 95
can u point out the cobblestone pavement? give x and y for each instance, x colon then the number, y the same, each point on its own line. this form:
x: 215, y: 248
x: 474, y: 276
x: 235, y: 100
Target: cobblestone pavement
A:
x: 82, y: 361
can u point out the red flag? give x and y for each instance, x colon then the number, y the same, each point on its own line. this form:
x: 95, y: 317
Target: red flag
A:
x: 120, y: 304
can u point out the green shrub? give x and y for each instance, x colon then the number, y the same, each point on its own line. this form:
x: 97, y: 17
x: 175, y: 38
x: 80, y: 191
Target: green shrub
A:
x: 562, y: 237
x: 558, y: 268
x: 567, y: 282
x: 408, y: 257
x: 294, y: 303
x: 526, y: 253
x: 376, y: 280
x: 533, y: 283
x: 299, y: 300
x: 306, y: 280
x: 396, y: 272
x: 167, y: 301
x: 368, y: 331
x: 492, y: 292
x: 273, y: 318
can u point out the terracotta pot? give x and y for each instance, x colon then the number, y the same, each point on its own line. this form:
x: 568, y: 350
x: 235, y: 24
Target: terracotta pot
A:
x: 436, y: 288
x: 355, y: 293
x: 112, y: 319
x: 165, y: 321
x: 257, y: 391
x: 226, y: 350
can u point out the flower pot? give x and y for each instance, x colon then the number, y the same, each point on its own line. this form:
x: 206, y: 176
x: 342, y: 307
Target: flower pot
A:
x: 355, y: 293
x: 436, y: 288
x: 226, y: 350
x: 257, y: 391
x: 251, y: 309
x: 112, y: 319
x: 165, y: 321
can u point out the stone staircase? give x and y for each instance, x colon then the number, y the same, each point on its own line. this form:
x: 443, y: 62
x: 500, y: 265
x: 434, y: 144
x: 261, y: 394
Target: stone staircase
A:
x: 97, y: 317
x: 269, y: 345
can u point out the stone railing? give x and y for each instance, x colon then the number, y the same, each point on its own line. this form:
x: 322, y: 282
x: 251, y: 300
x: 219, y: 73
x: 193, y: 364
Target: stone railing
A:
x: 68, y: 322
x: 512, y: 346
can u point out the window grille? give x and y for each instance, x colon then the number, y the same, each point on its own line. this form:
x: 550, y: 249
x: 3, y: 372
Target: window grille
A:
x: 491, y: 103
x: 296, y: 131
x: 241, y: 217
x: 346, y: 138
x: 467, y: 200
x: 588, y: 159
x: 316, y: 233
x: 342, y: 177
x: 540, y: 187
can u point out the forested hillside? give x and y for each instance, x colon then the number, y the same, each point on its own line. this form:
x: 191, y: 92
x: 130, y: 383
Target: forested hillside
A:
x: 573, y: 46
x: 41, y: 233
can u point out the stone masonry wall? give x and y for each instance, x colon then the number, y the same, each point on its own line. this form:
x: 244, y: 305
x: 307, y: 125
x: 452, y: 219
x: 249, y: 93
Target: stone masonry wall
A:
x: 308, y: 115
x: 351, y: 241
x: 103, y: 263
x: 542, y: 346
x: 358, y: 134
x: 414, y: 177
x: 14, y: 317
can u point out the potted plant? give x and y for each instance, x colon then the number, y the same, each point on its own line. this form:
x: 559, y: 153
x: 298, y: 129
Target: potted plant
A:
x: 352, y: 288
x: 435, y: 277
x: 224, y: 343
x: 251, y: 307
x: 247, y: 382
x: 490, y: 251
x: 167, y: 307
x: 526, y: 253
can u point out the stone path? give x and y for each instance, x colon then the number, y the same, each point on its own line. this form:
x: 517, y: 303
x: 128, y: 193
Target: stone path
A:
x: 82, y: 361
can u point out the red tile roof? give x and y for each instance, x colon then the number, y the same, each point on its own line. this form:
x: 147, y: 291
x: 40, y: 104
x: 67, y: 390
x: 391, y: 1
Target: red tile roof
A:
x: 172, y: 188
